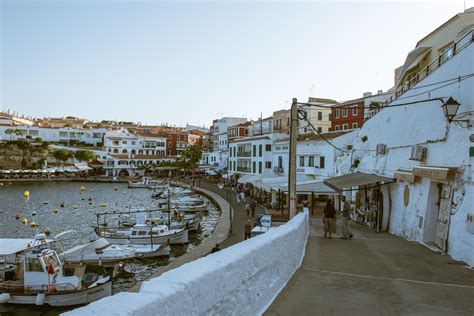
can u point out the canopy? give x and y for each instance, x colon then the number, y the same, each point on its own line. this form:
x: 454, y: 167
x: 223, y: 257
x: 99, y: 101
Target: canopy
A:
x: 348, y: 181
x: 413, y: 58
x: 248, y: 178
x: 10, y: 246
x: 311, y: 187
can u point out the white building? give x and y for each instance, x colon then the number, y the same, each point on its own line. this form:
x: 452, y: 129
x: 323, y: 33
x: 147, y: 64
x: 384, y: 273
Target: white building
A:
x: 431, y: 158
x: 252, y: 155
x: 219, y: 131
x: 122, y: 142
x: 318, y: 116
x: 64, y: 135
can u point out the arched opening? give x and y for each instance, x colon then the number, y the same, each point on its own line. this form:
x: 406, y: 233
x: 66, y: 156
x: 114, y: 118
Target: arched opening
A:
x: 124, y: 151
x: 133, y: 152
x: 123, y: 173
x: 115, y: 151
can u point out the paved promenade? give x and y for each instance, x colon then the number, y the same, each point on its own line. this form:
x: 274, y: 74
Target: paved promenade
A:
x: 374, y: 274
x: 239, y: 216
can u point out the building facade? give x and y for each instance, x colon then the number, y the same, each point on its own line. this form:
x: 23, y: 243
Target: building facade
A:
x: 347, y: 115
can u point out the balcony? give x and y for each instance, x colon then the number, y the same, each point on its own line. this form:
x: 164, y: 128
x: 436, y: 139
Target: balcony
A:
x: 245, y: 154
x: 278, y: 170
x: 244, y: 169
x: 421, y: 74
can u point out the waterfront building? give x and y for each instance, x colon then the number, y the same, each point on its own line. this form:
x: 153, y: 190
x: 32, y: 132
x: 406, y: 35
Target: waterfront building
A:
x: 177, y: 142
x: 431, y: 200
x: 281, y: 121
x: 65, y: 135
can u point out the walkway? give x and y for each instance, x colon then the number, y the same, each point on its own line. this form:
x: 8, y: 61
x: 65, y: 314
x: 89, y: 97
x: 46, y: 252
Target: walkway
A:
x: 239, y: 215
x: 374, y: 274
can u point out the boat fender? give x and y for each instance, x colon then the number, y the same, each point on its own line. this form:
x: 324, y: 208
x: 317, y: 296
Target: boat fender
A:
x: 40, y: 299
x: 50, y: 269
x: 4, y: 298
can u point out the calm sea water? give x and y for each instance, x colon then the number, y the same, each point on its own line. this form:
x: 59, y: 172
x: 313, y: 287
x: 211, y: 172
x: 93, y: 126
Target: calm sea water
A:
x: 77, y: 213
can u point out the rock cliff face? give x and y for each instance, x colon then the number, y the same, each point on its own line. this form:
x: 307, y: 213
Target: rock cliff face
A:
x: 21, y: 155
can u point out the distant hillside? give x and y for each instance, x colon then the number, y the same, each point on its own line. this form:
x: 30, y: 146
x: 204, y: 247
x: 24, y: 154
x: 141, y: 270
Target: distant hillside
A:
x: 23, y: 155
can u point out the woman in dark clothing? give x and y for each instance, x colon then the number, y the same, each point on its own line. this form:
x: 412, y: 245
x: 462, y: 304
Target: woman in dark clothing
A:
x: 329, y: 218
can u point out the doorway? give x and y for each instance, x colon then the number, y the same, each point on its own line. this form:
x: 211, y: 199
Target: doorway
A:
x: 438, y: 214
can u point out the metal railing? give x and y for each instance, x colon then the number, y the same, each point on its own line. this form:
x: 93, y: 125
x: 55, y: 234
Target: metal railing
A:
x: 421, y: 74
x: 244, y: 169
x: 244, y: 154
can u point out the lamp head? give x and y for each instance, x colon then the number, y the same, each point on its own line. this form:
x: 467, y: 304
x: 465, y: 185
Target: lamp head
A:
x: 450, y: 108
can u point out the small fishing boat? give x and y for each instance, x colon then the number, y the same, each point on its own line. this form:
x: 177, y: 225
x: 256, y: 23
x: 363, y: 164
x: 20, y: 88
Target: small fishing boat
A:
x: 146, y: 182
x: 141, y: 234
x: 42, y: 278
x: 149, y: 251
x: 99, y: 252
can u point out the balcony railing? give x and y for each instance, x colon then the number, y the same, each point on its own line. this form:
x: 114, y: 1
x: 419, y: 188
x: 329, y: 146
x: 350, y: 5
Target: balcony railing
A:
x: 421, y: 74
x: 244, y: 169
x: 244, y: 154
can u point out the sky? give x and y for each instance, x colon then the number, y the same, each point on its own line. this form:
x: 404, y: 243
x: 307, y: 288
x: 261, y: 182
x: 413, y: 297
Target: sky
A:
x: 180, y: 62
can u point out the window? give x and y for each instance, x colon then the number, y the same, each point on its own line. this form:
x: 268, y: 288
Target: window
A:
x: 280, y: 162
x: 259, y: 167
x: 345, y: 126
x: 337, y: 114
x: 254, y: 167
x: 133, y: 142
x: 268, y: 147
x: 33, y: 265
x: 124, y: 142
x: 311, y: 161
x: 336, y: 127
x: 234, y: 165
x: 141, y: 233
x: 254, y: 151
x: 320, y: 116
x: 320, y: 129
x: 301, y: 161
x: 355, y: 110
x: 268, y: 165
x: 354, y: 125
x: 230, y: 152
x: 169, y: 145
x: 260, y: 150
x: 116, y: 142
x: 321, y: 162
x: 345, y: 111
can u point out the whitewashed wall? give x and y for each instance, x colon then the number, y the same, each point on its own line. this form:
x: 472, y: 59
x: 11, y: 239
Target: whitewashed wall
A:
x: 448, y: 145
x: 240, y: 280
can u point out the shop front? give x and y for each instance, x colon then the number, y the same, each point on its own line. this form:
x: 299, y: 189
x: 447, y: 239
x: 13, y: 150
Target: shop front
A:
x: 369, y: 204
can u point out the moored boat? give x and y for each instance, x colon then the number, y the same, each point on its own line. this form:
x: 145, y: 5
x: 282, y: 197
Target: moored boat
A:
x: 141, y: 234
x: 42, y: 278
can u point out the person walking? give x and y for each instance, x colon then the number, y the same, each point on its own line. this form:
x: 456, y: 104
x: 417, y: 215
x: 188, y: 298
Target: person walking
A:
x: 247, y: 208
x: 329, y: 219
x: 253, y: 205
x: 247, y: 229
x: 346, y: 213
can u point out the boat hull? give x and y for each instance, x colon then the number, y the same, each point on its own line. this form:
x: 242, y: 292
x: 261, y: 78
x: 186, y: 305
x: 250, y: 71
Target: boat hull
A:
x: 82, y: 297
x: 172, y: 239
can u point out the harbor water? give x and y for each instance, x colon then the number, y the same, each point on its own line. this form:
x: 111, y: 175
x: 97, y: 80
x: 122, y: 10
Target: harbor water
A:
x: 62, y: 206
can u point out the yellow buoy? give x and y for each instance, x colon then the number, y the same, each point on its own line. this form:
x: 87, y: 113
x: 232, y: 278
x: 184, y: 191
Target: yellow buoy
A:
x: 24, y: 221
x: 26, y: 194
x: 83, y: 188
x: 74, y: 206
x: 55, y: 210
x: 33, y: 224
x: 103, y: 205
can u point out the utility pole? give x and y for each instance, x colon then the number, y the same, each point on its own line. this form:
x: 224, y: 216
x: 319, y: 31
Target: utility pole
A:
x: 292, y: 159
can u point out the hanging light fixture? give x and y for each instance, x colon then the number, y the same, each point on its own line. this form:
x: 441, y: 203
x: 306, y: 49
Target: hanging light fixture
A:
x: 450, y: 108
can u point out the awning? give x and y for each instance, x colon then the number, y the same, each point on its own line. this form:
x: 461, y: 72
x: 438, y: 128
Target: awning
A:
x: 405, y: 175
x: 413, y: 58
x: 439, y: 173
x: 348, y: 181
x: 277, y: 181
x: 317, y: 187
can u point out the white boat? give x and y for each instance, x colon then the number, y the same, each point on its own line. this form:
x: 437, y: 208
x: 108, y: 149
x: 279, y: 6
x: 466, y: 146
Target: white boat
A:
x: 146, y: 182
x: 42, y: 278
x: 99, y: 252
x: 149, y: 251
x: 141, y: 234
